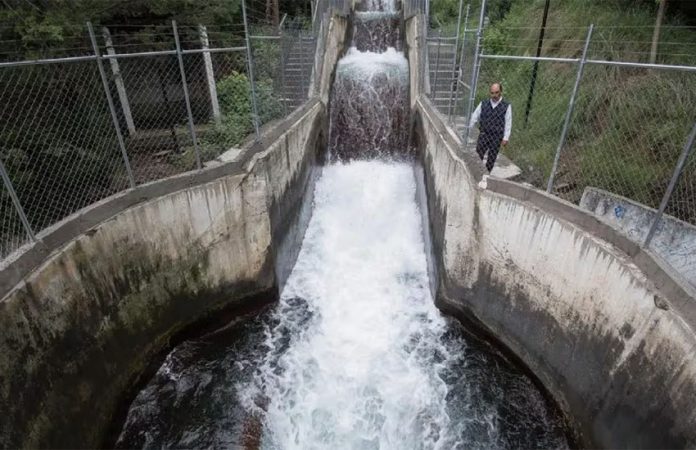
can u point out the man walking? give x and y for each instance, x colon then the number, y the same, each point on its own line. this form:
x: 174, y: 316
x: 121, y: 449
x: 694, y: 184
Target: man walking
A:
x: 495, y: 124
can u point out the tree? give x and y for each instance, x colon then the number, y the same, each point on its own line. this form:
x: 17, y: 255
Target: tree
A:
x: 41, y: 24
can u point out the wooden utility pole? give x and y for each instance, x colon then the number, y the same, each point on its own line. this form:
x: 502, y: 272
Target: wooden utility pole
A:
x: 273, y: 12
x: 535, y: 69
x: 656, y: 33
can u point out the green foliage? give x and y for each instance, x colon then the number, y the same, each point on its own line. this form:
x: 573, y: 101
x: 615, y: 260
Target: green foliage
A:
x: 234, y: 97
x: 266, y: 59
x: 444, y: 13
x: 40, y: 25
x: 55, y: 159
x: 628, y: 126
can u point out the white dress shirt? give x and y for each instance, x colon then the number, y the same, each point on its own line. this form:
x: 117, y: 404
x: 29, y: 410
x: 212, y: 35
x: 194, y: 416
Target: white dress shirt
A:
x: 508, y: 117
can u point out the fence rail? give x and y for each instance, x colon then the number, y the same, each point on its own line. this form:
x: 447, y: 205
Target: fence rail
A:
x: 413, y: 7
x: 127, y: 111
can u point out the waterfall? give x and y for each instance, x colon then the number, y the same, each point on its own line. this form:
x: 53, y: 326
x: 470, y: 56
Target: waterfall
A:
x: 369, y: 103
x: 369, y: 106
x: 376, y: 31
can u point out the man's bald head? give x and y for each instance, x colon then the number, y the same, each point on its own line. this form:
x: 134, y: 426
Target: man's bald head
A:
x: 496, y: 91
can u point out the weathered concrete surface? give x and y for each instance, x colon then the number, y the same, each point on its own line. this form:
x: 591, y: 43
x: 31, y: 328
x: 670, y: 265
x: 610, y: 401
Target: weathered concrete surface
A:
x: 504, y: 167
x: 415, y: 41
x: 674, y: 241
x: 292, y: 166
x: 591, y: 314
x: 331, y: 45
x: 80, y: 327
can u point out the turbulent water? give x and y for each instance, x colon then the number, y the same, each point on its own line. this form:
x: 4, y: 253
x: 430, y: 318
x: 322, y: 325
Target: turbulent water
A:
x: 376, y: 31
x: 355, y: 355
x: 369, y: 106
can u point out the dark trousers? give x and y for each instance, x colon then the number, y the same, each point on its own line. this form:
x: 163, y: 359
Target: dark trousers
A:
x: 489, y: 143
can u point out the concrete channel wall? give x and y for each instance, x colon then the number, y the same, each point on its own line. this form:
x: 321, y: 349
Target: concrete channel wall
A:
x: 85, y: 322
x: 603, y: 325
x: 674, y: 240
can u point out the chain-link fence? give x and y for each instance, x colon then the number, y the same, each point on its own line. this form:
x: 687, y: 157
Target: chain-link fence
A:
x: 59, y: 146
x: 626, y: 128
x: 682, y: 202
x: 589, y: 115
x: 538, y: 92
x: 413, y: 7
x: 626, y: 133
x: 452, y: 63
x: 129, y: 104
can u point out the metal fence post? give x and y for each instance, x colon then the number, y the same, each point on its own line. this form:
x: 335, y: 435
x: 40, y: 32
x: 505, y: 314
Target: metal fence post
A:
x: 305, y: 87
x: 184, y: 85
x: 118, y: 80
x: 283, y: 63
x: 459, y: 82
x: 672, y: 184
x: 209, y: 73
x: 15, y: 201
x: 110, y: 101
x: 250, y: 68
x: 569, y: 112
x: 474, y: 72
x: 455, y: 77
x: 433, y: 87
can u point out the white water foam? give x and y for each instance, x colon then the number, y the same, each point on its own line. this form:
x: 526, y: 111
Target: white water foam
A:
x: 381, y: 5
x: 360, y: 368
x: 364, y: 65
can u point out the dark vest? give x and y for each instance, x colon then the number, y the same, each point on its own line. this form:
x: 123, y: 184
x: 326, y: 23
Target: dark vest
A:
x: 493, y: 119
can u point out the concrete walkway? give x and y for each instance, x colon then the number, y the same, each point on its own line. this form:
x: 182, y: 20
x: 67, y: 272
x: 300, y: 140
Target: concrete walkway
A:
x: 504, y: 168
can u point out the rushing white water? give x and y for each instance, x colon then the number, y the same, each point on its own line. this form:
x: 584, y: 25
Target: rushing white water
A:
x: 366, y: 65
x: 369, y: 105
x: 381, y: 5
x: 356, y: 368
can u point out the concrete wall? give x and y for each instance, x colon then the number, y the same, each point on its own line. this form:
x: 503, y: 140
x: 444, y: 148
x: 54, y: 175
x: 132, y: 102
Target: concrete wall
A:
x: 333, y: 37
x: 125, y: 276
x: 596, y: 318
x: 674, y: 241
x: 414, y: 39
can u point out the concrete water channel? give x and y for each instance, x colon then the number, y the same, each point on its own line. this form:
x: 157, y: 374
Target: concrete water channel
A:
x: 303, y: 296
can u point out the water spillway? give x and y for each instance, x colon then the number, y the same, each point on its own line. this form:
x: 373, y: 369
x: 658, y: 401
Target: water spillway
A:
x: 369, y: 106
x: 354, y: 349
x: 377, y: 31
x: 355, y: 354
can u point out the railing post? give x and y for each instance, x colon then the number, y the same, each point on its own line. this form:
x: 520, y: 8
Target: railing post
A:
x: 283, y: 63
x: 250, y: 69
x: 209, y: 73
x: 184, y: 85
x: 118, y: 80
x: 305, y: 87
x: 455, y: 77
x: 474, y: 71
x: 672, y: 184
x: 15, y: 201
x: 569, y: 112
x: 433, y: 87
x: 110, y: 101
